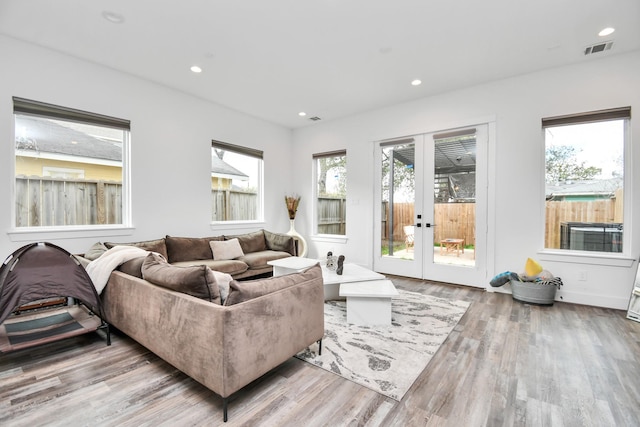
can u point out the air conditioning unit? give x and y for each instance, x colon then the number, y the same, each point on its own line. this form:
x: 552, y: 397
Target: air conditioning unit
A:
x: 591, y: 236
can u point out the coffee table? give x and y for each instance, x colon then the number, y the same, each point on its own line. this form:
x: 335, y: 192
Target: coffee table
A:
x: 369, y: 303
x: 450, y: 245
x: 291, y: 264
x: 350, y: 273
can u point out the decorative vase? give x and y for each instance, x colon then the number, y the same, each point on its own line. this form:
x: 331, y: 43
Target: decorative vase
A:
x: 302, y: 244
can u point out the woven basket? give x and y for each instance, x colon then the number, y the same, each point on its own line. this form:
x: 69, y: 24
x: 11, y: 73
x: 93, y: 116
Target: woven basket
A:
x: 541, y: 293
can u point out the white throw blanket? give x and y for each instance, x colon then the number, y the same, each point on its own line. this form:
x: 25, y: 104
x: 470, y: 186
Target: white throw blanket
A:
x: 100, y: 269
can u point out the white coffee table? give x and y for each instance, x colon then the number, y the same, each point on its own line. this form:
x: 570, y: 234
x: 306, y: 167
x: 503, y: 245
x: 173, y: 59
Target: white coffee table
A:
x: 292, y: 264
x: 350, y: 273
x: 369, y: 303
x: 332, y: 280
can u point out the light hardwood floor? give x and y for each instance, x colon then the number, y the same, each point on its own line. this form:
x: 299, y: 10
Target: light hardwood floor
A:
x: 505, y: 364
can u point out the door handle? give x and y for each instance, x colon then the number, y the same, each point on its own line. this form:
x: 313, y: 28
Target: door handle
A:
x: 428, y: 224
x: 419, y: 225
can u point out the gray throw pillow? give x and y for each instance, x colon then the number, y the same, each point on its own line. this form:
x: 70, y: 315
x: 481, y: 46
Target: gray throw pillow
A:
x: 157, y: 245
x: 95, y: 251
x: 198, y: 280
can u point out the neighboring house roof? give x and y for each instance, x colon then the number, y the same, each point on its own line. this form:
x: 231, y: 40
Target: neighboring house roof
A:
x: 46, y: 136
x: 222, y: 169
x: 583, y: 188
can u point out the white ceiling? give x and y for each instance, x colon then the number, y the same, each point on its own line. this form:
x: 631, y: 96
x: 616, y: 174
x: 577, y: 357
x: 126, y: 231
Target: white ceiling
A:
x: 330, y: 58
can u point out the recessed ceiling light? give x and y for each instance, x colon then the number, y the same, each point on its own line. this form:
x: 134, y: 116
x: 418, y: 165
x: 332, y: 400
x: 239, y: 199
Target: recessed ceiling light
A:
x: 196, y: 69
x: 302, y: 114
x: 416, y: 82
x: 606, y: 32
x: 113, y: 17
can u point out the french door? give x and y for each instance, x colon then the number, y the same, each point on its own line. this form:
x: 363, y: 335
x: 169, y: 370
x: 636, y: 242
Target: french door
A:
x: 431, y: 199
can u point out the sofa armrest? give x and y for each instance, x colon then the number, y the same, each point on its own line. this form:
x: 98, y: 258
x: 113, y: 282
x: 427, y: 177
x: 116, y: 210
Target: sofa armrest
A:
x: 264, y: 332
x: 280, y: 242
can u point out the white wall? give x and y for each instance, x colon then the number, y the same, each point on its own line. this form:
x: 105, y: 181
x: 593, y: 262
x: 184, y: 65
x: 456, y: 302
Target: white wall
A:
x: 515, y: 173
x: 170, y: 150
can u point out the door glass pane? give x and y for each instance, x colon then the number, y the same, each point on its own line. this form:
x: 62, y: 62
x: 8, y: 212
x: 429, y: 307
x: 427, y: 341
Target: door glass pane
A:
x: 398, y: 199
x: 454, y: 197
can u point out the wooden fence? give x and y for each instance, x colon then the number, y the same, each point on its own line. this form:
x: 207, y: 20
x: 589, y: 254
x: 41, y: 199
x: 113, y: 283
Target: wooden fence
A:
x: 229, y: 205
x: 332, y: 213
x: 603, y: 211
x: 453, y: 220
x: 42, y: 202
x: 457, y: 220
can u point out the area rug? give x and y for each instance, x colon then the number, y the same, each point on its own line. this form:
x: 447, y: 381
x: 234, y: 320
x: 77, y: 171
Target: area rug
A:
x: 386, y: 359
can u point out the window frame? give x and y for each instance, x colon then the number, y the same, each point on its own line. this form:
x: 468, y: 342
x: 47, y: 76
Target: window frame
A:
x: 584, y: 256
x: 319, y: 236
x: 27, y: 107
x: 250, y: 152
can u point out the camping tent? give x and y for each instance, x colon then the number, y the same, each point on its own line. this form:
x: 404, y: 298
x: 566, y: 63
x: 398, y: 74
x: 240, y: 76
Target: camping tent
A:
x: 43, y: 270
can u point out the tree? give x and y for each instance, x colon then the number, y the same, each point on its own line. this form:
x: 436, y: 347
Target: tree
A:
x: 562, y: 165
x: 336, y: 165
x: 403, y: 176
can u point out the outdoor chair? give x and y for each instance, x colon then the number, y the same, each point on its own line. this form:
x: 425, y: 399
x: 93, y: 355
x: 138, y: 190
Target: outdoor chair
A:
x: 408, y: 236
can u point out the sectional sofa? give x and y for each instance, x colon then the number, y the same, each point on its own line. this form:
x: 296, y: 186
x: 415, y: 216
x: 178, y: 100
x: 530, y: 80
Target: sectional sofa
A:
x: 243, y: 256
x: 222, y: 332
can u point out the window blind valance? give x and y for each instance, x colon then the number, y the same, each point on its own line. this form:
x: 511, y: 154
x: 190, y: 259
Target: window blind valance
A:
x: 50, y: 111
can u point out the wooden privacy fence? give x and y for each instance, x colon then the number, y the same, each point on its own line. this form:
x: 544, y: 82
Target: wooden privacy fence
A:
x: 601, y: 211
x: 42, y: 201
x: 230, y: 205
x: 453, y: 220
x: 457, y: 220
x: 331, y: 215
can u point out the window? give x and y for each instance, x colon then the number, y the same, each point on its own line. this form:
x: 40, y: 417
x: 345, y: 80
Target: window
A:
x: 236, y: 183
x: 69, y: 168
x: 331, y: 192
x: 584, y: 180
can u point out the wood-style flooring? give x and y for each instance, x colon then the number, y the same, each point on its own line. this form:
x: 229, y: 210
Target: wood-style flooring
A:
x: 505, y: 364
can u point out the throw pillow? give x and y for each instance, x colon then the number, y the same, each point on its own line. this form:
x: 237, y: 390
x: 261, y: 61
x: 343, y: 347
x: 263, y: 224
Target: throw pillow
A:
x: 227, y: 249
x: 532, y: 268
x: 198, y: 280
x: 95, y: 251
x: 156, y: 245
x: 249, y: 289
x: 223, y: 280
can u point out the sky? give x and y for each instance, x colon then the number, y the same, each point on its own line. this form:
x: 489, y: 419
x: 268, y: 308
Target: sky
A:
x: 599, y: 144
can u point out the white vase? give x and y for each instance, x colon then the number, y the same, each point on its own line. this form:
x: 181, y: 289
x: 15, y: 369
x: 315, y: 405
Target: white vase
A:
x: 302, y: 244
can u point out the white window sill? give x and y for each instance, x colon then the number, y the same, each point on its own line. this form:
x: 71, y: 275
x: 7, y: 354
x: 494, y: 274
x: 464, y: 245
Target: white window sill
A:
x: 576, y: 257
x: 72, y: 232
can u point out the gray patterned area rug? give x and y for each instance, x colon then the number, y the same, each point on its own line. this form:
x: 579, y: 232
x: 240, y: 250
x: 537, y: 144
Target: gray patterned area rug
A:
x: 386, y: 359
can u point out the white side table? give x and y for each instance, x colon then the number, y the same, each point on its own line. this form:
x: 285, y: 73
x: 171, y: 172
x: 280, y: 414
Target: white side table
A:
x: 369, y: 303
x: 291, y: 264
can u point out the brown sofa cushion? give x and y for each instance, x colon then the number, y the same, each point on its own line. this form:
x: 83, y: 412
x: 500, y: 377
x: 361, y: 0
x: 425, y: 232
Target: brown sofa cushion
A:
x: 133, y: 267
x: 250, y: 242
x: 230, y: 266
x: 156, y: 245
x: 197, y: 280
x: 189, y: 248
x: 280, y: 242
x: 259, y: 259
x: 249, y: 289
